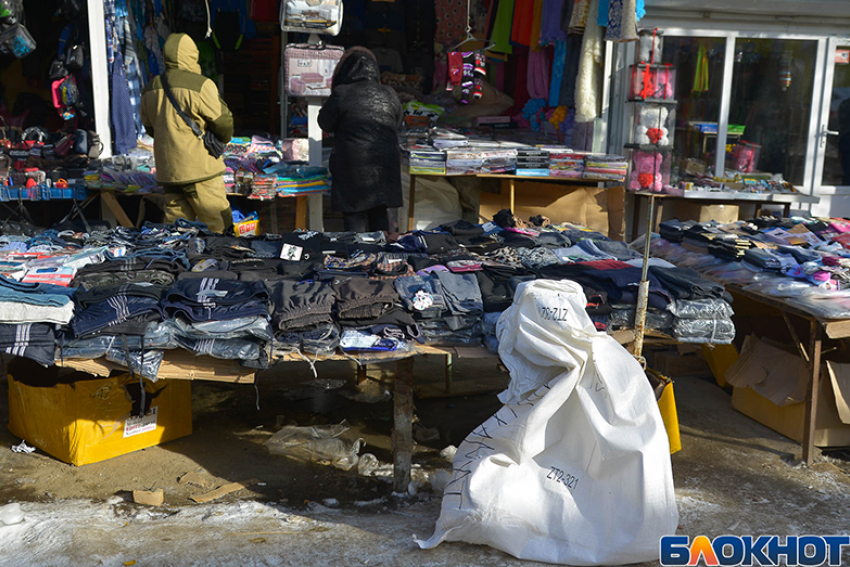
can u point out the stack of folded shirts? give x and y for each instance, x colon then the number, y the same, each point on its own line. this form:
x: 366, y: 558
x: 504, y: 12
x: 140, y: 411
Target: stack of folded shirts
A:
x: 263, y: 187
x: 442, y: 138
x: 564, y: 163
x: 532, y: 162
x: 498, y: 160
x: 674, y: 230
x: 301, y: 185
x: 463, y: 161
x: 605, y: 167
x: 425, y: 160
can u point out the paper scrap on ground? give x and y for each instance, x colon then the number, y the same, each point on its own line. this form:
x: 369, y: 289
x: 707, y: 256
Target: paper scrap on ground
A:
x: 22, y: 447
x: 222, y: 490
x: 194, y: 479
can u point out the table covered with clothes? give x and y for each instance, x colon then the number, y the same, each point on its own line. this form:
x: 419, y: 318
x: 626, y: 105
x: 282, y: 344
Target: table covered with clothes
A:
x: 130, y: 295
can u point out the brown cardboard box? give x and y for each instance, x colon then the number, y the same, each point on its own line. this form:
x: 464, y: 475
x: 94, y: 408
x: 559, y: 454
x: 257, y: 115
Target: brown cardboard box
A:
x: 691, y: 210
x: 764, y: 374
x: 589, y: 206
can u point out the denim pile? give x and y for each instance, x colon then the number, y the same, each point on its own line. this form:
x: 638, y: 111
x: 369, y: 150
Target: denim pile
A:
x: 129, y: 295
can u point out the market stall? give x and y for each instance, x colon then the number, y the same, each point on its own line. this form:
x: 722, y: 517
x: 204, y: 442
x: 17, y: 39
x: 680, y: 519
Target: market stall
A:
x: 174, y: 302
x: 794, y: 267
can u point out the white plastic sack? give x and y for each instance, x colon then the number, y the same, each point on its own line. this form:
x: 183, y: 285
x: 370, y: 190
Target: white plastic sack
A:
x: 575, y: 468
x: 437, y: 202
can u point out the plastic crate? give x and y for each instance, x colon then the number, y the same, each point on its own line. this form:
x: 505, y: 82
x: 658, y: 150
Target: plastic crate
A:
x: 55, y: 193
x: 14, y: 193
x: 80, y: 193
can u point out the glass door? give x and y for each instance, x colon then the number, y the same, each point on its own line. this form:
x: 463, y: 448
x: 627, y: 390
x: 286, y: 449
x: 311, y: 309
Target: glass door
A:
x: 832, y: 168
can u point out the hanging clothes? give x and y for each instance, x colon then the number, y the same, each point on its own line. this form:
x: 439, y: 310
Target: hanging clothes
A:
x: 602, y: 13
x: 518, y: 76
x: 558, y: 62
x: 501, y: 36
x: 622, y: 21
x: 538, y: 74
x: 567, y: 8
x: 568, y: 83
x: 121, y: 109
x: 590, y: 64
x: 536, y: 25
x: 523, y: 22
x: 701, y: 74
x: 550, y: 21
x: 451, y: 18
x: 578, y: 21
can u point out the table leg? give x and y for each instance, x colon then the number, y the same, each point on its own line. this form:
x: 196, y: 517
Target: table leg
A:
x: 411, y: 202
x: 115, y: 207
x: 512, y: 186
x: 636, y: 216
x: 659, y: 214
x: 449, y: 373
x: 361, y: 374
x: 786, y: 210
x: 402, y: 437
x: 812, y: 393
x: 300, y: 212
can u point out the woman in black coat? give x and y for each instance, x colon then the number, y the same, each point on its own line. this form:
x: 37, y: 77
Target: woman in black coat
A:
x: 364, y: 117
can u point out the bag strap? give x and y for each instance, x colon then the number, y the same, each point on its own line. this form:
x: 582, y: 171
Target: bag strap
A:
x: 180, y: 112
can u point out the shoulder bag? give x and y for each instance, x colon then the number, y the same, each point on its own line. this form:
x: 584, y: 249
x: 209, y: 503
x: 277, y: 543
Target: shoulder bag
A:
x: 214, y: 146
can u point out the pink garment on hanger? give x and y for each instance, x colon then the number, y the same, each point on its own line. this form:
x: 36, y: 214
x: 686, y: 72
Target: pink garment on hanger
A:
x: 538, y: 74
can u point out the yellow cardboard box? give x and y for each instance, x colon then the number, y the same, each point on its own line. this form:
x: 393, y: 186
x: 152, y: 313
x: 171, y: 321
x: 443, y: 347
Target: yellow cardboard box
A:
x: 90, y: 420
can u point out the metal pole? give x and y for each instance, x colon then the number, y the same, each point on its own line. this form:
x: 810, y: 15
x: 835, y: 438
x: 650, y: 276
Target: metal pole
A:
x: 643, y: 290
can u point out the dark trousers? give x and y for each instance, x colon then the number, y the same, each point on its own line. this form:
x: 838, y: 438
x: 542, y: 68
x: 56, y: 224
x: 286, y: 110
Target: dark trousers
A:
x: 367, y: 221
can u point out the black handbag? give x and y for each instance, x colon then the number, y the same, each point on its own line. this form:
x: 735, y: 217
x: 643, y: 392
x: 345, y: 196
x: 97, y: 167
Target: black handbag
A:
x: 75, y: 58
x: 214, y: 146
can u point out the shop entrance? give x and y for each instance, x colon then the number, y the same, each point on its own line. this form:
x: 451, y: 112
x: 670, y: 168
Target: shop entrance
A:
x: 832, y: 168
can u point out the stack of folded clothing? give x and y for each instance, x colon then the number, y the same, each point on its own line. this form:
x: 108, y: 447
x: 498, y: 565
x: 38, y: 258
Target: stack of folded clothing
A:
x: 425, y: 160
x: 215, y: 300
x: 605, y: 167
x: 532, y: 162
x: 302, y: 317
x: 36, y: 341
x: 263, y: 187
x: 34, y: 302
x: 674, y: 230
x: 564, y: 163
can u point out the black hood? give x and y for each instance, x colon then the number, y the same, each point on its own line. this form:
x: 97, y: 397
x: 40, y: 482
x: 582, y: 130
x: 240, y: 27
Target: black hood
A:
x: 355, y: 67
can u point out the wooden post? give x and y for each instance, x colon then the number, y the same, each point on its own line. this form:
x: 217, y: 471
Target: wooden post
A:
x: 402, y: 437
x: 812, y: 393
x: 411, y: 203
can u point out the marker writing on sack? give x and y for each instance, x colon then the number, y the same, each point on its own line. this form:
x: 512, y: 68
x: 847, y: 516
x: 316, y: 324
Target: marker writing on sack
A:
x: 554, y: 313
x: 559, y: 476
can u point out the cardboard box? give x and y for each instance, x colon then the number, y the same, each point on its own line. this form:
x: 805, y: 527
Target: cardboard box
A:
x: 82, y: 420
x: 685, y: 210
x: 764, y: 374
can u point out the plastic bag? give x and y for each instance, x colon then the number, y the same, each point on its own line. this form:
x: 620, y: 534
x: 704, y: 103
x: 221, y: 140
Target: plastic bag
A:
x: 314, y: 16
x: 317, y: 443
x: 704, y: 331
x: 700, y: 309
x: 581, y: 437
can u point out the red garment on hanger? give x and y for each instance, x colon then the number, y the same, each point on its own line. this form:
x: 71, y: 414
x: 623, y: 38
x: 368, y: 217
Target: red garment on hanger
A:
x: 523, y: 22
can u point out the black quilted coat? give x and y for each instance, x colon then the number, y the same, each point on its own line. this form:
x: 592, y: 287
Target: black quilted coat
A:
x: 364, y: 117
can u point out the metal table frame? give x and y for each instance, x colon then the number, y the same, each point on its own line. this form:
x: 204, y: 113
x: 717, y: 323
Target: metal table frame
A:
x: 714, y: 198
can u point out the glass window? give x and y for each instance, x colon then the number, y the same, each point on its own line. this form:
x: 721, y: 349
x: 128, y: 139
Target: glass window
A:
x: 770, y: 107
x: 699, y: 86
x: 836, y: 164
